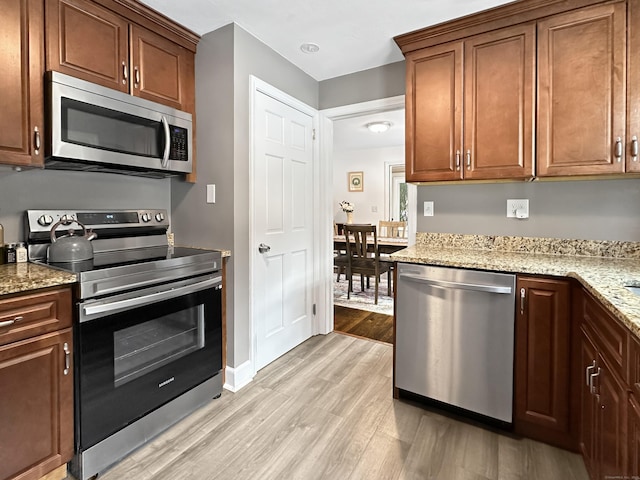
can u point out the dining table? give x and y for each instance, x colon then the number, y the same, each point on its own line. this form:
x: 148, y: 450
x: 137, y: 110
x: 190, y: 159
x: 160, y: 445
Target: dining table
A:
x: 386, y: 245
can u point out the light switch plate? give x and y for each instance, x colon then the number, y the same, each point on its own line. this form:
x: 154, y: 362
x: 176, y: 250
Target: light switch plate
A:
x: 211, y: 194
x: 428, y: 209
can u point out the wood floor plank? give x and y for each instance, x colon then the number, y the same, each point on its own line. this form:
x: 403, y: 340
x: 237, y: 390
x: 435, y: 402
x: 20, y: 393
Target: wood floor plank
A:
x: 361, y: 323
x: 325, y: 411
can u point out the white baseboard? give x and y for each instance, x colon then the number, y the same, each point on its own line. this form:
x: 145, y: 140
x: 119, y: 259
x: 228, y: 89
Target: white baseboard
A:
x: 236, y: 378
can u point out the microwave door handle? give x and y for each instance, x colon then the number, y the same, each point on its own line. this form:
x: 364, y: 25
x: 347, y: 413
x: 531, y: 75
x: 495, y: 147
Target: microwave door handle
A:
x: 167, y: 142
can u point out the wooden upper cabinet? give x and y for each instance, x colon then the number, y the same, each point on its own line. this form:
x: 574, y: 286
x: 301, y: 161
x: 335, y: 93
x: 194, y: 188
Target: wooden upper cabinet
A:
x: 21, y: 85
x: 91, y: 42
x: 434, y: 113
x: 87, y: 41
x: 482, y: 86
x: 499, y: 98
x: 581, y: 91
x: 542, y: 361
x: 633, y: 88
x: 162, y: 70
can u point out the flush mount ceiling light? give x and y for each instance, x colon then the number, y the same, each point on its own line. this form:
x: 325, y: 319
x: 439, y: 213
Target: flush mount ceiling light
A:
x: 378, y: 127
x: 309, y: 48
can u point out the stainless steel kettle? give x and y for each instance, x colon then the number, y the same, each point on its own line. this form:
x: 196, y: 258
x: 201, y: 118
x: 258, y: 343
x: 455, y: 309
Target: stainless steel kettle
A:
x: 70, y: 248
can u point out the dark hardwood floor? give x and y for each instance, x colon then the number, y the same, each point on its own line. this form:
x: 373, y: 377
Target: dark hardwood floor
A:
x: 360, y: 323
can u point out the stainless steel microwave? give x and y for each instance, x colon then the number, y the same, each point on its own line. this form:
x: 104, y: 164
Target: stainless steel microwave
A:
x: 94, y: 128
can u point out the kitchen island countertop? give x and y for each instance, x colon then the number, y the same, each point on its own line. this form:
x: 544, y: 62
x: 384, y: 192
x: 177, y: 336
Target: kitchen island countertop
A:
x: 22, y: 277
x: 604, y: 277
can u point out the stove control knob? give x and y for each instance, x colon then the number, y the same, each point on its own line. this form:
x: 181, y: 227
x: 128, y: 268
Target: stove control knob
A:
x: 159, y: 217
x: 45, y: 220
x: 146, y: 217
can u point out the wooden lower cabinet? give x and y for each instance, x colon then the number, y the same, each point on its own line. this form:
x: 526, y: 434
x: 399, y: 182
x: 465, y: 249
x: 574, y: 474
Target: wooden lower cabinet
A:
x: 36, y: 383
x: 543, y: 361
x: 603, y: 399
x: 36, y: 405
x: 634, y: 437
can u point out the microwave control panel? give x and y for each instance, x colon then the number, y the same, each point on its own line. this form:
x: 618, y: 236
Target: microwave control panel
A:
x: 179, y: 149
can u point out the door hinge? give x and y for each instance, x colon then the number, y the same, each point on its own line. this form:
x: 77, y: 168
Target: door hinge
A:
x: 313, y: 131
x: 314, y: 308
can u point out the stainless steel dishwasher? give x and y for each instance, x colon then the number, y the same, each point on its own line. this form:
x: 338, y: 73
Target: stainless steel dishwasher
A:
x: 455, y: 336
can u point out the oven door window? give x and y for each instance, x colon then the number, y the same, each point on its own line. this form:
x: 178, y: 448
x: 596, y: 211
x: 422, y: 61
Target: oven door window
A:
x: 148, y: 346
x: 135, y: 361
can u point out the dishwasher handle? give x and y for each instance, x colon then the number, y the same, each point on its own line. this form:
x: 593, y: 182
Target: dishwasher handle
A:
x: 456, y: 285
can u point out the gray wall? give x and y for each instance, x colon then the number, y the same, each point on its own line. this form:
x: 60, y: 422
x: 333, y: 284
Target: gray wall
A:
x: 36, y: 189
x: 595, y: 210
x: 196, y: 223
x: 225, y: 59
x: 372, y: 84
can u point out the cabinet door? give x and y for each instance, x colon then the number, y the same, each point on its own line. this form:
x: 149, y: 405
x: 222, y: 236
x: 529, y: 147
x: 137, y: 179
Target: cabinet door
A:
x: 633, y: 85
x: 634, y: 438
x: 434, y: 113
x: 542, y: 377
x: 588, y: 405
x: 611, y: 423
x: 21, y: 86
x: 162, y: 70
x: 36, y: 405
x: 87, y: 41
x: 581, y: 91
x: 499, y: 96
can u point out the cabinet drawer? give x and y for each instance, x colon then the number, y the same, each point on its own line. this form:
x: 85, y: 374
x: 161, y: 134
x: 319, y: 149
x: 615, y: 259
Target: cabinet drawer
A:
x: 33, y: 314
x: 612, y: 336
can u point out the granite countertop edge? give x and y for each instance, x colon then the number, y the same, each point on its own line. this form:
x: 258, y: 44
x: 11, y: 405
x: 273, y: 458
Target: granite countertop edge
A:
x: 24, y: 277
x: 604, y: 277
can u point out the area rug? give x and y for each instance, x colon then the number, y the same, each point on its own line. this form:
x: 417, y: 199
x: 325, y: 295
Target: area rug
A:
x: 363, y: 300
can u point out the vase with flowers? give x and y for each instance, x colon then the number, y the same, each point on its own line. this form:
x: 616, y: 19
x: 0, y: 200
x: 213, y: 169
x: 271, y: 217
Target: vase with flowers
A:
x: 347, y: 207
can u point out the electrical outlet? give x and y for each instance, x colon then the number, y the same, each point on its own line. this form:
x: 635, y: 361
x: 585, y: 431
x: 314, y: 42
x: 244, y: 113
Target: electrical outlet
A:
x: 374, y: 209
x: 518, y: 208
x: 428, y: 209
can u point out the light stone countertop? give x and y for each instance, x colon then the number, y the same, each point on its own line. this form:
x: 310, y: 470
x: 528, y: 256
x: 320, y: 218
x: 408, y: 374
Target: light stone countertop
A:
x: 605, y: 277
x: 22, y: 277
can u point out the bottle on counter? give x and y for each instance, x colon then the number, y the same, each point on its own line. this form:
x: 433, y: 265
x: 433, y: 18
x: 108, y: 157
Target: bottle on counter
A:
x: 21, y: 253
x: 10, y: 253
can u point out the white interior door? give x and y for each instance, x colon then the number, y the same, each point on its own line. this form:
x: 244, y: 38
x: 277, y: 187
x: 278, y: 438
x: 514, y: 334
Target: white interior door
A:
x: 283, y: 224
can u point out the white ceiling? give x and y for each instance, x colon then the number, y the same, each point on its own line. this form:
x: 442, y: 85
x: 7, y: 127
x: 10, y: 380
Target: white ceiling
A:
x: 353, y: 35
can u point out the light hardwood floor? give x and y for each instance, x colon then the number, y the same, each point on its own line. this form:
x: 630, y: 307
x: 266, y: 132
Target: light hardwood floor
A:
x: 325, y: 411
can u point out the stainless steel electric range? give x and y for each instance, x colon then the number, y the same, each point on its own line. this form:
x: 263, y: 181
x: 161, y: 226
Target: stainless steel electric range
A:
x: 147, y: 332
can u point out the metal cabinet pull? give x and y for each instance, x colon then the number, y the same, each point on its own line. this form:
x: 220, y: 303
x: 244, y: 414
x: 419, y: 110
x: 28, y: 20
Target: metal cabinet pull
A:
x: 468, y: 159
x: 137, y: 73
x: 634, y: 148
x: 592, y: 377
x: 457, y: 159
x: 11, y: 322
x: 588, y: 373
x: 618, y: 149
x: 125, y: 74
x: 36, y: 140
x: 523, y: 294
x: 67, y: 359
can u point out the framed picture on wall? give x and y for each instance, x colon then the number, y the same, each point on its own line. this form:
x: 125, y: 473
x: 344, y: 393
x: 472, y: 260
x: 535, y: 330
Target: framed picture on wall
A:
x: 356, y: 182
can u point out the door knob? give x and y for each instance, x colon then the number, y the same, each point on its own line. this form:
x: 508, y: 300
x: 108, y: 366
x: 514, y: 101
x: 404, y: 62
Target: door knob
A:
x: 262, y: 248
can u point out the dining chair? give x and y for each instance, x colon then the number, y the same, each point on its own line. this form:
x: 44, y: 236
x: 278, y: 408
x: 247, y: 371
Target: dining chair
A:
x: 389, y: 228
x: 364, y: 257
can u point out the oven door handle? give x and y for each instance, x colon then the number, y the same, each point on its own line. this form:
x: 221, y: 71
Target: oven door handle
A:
x: 132, y: 303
